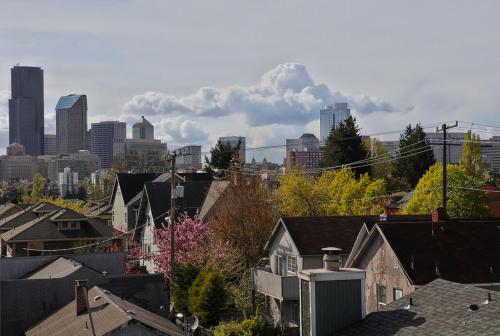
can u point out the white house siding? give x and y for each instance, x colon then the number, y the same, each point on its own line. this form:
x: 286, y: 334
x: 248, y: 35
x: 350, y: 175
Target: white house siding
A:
x: 382, y: 268
x: 119, y: 211
x: 283, y: 245
x: 147, y: 239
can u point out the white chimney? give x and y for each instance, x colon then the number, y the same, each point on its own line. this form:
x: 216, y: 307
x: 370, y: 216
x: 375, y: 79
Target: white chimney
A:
x: 331, y: 258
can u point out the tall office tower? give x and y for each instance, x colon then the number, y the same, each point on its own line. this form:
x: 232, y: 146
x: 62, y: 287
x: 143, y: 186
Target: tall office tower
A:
x: 49, y: 144
x: 143, y: 129
x: 330, y: 117
x: 234, y: 142
x: 104, y: 135
x: 26, y: 119
x: 71, y: 124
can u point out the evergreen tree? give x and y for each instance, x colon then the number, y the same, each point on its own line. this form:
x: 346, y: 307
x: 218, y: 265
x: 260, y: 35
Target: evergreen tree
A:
x: 344, y: 146
x: 415, y: 155
x: 470, y: 160
x: 220, y: 158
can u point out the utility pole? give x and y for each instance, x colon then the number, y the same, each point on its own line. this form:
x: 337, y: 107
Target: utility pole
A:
x: 443, y: 128
x: 172, y: 221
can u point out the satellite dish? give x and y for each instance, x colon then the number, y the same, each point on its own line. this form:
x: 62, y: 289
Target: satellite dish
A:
x: 193, y: 323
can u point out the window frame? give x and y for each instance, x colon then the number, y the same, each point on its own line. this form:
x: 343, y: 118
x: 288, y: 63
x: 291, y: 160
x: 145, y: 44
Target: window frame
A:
x: 394, y: 290
x: 381, y: 289
x: 291, y: 264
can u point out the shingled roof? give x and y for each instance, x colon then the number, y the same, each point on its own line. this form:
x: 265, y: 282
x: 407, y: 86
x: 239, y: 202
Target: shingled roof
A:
x: 158, y: 196
x: 440, y: 308
x: 131, y: 184
x: 109, y: 313
x: 44, y: 228
x: 460, y: 250
x: 17, y: 219
x: 311, y: 234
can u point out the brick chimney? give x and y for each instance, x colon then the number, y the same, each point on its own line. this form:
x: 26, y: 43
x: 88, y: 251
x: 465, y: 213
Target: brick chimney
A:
x: 80, y: 293
x: 439, y: 214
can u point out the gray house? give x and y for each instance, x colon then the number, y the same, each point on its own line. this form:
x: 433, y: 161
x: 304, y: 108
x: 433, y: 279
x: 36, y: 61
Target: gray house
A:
x: 296, y: 244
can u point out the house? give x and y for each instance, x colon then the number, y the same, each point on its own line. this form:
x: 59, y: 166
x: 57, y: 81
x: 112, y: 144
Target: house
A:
x: 125, y: 199
x: 102, y: 212
x: 493, y: 194
x: 216, y: 190
x: 399, y: 257
x: 439, y: 308
x: 60, y: 229
x: 296, y: 244
x: 111, y: 315
x: 155, y: 205
x: 34, y: 288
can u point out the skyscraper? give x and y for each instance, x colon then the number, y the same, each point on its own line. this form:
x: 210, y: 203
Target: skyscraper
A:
x: 103, y: 136
x: 49, y: 144
x: 330, y: 117
x: 71, y: 124
x: 143, y: 129
x: 26, y: 118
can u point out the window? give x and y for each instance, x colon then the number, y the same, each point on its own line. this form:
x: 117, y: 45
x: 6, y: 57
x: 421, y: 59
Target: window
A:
x: 280, y: 265
x: 291, y: 264
x: 397, y: 293
x: 294, y: 312
x: 381, y: 296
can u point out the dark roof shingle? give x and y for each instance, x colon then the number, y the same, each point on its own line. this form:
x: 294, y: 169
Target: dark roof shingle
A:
x: 132, y: 184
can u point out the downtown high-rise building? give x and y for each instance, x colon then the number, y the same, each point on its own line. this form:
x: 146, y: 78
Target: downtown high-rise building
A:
x: 26, y: 109
x: 330, y: 117
x: 71, y: 124
x: 104, y: 135
x: 143, y: 130
x: 49, y: 144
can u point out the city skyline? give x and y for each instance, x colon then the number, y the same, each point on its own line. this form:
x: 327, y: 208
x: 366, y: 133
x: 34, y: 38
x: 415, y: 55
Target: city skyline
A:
x: 416, y: 73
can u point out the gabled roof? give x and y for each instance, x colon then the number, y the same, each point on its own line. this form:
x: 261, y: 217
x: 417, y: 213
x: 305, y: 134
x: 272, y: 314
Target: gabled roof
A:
x: 67, y: 214
x: 44, y: 207
x: 8, y: 207
x: 213, y: 195
x: 99, y: 210
x: 158, y: 196
x: 59, y: 268
x: 460, y: 250
x: 131, y: 184
x: 44, y: 228
x: 440, y: 308
x: 109, y: 313
x: 311, y: 234
x: 17, y: 219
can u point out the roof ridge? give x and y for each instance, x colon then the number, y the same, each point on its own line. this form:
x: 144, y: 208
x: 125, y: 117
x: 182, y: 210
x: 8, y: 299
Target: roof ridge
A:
x: 21, y: 228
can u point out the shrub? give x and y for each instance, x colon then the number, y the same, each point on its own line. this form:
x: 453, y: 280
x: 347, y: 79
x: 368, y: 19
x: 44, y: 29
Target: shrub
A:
x: 249, y: 327
x: 183, y: 276
x: 207, y: 296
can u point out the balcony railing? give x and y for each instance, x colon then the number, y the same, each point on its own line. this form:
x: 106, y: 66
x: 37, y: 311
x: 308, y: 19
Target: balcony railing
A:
x: 277, y: 286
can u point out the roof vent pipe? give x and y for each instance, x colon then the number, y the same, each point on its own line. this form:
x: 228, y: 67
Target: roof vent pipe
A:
x: 331, y: 258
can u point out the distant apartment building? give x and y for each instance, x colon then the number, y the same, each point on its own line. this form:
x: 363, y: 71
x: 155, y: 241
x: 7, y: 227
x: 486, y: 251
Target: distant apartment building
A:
x: 303, y: 152
x: 71, y: 124
x: 26, y: 109
x: 16, y: 165
x: 68, y: 183
x: 84, y: 163
x: 98, y: 178
x: 188, y: 157
x: 50, y: 144
x: 236, y: 142
x: 143, y: 130
x: 490, y: 149
x: 104, y: 135
x: 330, y: 117
x: 138, y: 146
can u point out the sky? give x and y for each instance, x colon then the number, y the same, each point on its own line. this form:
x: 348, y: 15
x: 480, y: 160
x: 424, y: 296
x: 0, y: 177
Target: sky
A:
x: 199, y: 70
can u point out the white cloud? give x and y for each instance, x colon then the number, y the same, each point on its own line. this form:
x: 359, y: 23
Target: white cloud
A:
x: 285, y: 95
x: 4, y: 109
x: 179, y: 130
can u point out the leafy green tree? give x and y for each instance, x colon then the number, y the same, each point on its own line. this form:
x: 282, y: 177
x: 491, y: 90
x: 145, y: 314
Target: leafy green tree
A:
x: 183, y: 276
x: 248, y: 327
x: 207, y: 296
x: 470, y: 160
x: 333, y: 193
x: 384, y: 167
x: 344, y: 146
x: 220, y: 158
x: 39, y: 183
x: 465, y: 197
x: 415, y: 155
x: 76, y: 205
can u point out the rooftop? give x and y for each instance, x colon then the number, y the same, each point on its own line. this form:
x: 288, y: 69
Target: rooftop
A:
x: 66, y: 102
x: 439, y: 308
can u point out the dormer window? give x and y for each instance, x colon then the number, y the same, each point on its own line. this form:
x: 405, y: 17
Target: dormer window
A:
x: 69, y: 225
